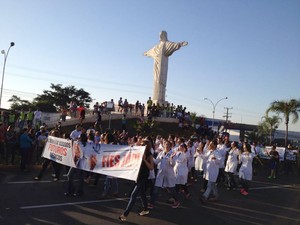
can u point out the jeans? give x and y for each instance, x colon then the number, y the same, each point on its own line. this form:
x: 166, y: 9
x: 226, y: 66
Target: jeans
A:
x: 211, y: 187
x: 140, y: 187
x: 24, y: 157
x: 71, y: 186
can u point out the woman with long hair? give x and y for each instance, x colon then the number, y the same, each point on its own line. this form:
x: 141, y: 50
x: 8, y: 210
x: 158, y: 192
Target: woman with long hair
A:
x: 245, y: 172
x: 181, y: 170
x: 140, y: 185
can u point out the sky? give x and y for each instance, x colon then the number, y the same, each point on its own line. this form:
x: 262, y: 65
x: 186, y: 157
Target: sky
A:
x: 248, y: 51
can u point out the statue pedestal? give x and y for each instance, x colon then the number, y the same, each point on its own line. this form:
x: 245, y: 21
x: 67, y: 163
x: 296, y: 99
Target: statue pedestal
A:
x: 160, y: 102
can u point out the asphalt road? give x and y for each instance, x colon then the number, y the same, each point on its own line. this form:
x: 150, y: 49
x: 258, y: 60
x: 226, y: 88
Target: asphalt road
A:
x: 27, y: 202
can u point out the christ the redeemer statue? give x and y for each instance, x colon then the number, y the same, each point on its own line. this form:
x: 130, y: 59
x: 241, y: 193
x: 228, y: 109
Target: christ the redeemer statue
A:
x: 160, y: 53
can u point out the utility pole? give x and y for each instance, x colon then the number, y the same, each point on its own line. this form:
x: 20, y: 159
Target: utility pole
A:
x: 227, y: 115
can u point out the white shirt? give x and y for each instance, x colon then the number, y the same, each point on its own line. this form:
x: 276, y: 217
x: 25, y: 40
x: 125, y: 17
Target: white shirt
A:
x: 75, y: 135
x: 38, y: 114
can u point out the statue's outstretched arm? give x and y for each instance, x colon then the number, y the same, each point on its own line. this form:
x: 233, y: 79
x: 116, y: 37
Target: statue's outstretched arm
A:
x: 184, y: 43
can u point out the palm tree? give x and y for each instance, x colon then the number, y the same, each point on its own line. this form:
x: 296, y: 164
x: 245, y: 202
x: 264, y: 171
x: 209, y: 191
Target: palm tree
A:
x: 269, y: 125
x: 287, y: 108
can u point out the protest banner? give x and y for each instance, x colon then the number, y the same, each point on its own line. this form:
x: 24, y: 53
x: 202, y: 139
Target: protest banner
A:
x: 264, y: 154
x: 120, y: 161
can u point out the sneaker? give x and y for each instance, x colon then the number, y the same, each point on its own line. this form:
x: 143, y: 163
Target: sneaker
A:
x: 78, y: 194
x: 122, y: 218
x: 150, y: 206
x: 188, y: 196
x: 244, y: 193
x: 269, y: 177
x: 202, y: 199
x: 116, y: 195
x: 144, y: 212
x: 176, y: 205
x: 103, y: 196
x: 36, y: 178
x: 214, y: 199
x: 242, y: 190
x: 55, y: 179
x: 171, y: 200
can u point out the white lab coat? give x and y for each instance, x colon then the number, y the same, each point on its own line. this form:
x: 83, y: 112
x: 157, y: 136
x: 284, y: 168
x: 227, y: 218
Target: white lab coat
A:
x: 190, y: 157
x: 181, y: 167
x: 222, y: 151
x: 212, y: 165
x: 232, y: 161
x: 198, y: 161
x: 165, y: 176
x: 204, y: 159
x: 245, y: 171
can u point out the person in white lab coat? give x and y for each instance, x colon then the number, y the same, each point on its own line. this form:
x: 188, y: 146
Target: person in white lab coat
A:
x: 222, y: 151
x: 231, y: 165
x: 245, y: 172
x: 181, y: 170
x: 165, y: 177
x: 199, y: 160
x: 190, y: 153
x: 213, y: 161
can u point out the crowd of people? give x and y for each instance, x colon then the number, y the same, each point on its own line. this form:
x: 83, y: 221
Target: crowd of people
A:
x: 171, y: 163
x: 149, y: 110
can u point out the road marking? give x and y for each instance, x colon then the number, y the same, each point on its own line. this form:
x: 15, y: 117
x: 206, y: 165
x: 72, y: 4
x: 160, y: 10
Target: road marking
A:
x: 43, y: 181
x: 35, y: 181
x: 271, y: 187
x: 70, y: 203
x: 251, y: 211
x: 236, y: 214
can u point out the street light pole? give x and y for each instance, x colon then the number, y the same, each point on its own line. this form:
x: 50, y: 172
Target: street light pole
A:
x: 3, y: 72
x: 214, y: 108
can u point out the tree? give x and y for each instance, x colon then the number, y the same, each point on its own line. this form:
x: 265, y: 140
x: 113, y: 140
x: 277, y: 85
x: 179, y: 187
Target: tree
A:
x: 269, y: 125
x: 287, y: 108
x: 52, y: 100
x: 253, y: 135
x: 147, y: 127
x: 18, y: 103
x: 60, y: 97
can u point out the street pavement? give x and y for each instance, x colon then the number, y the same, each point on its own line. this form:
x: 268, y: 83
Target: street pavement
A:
x: 24, y: 201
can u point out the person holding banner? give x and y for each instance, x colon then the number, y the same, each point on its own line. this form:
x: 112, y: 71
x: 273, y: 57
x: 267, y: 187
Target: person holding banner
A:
x: 56, y: 166
x: 273, y: 162
x: 79, y: 161
x: 141, y: 182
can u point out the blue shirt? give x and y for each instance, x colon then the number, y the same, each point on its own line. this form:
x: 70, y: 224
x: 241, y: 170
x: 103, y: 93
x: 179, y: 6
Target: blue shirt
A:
x: 25, y: 141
